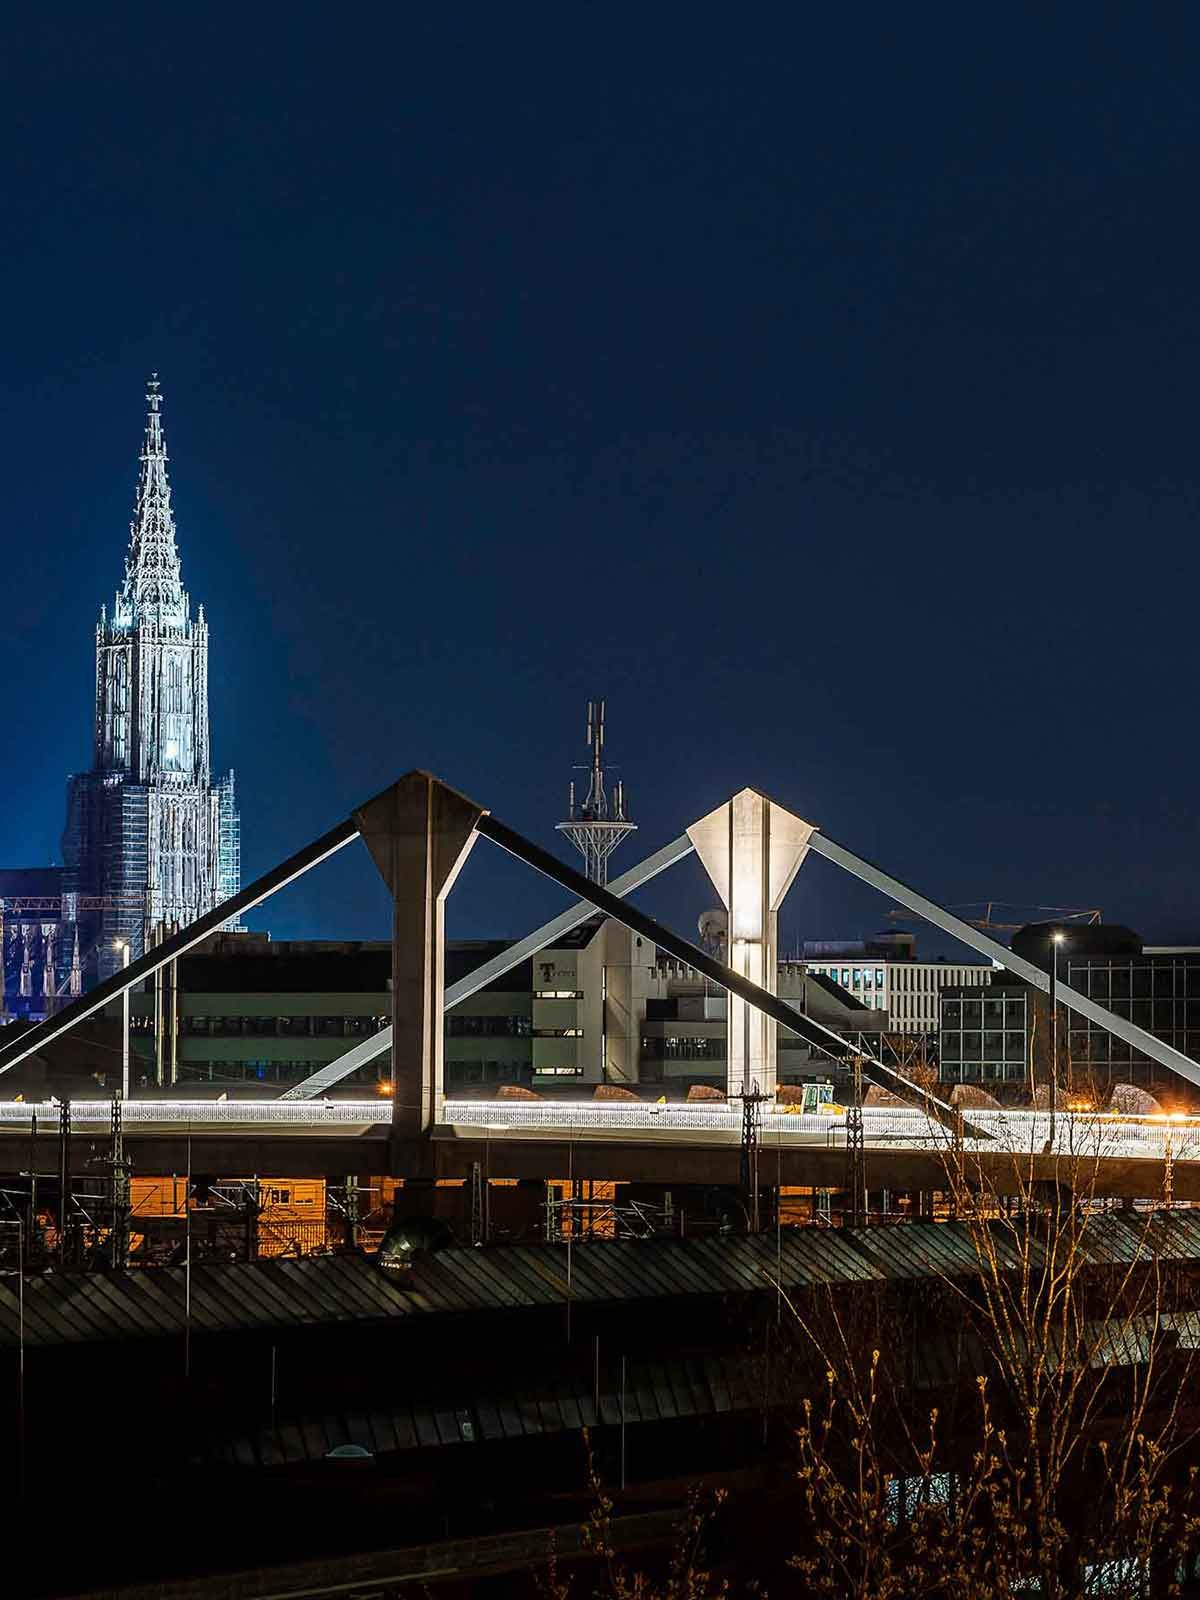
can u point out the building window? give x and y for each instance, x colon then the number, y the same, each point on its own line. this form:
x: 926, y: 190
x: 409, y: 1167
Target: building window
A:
x: 558, y: 994
x: 683, y: 1048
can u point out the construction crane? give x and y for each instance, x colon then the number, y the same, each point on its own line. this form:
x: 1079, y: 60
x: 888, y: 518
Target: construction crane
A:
x: 1088, y: 916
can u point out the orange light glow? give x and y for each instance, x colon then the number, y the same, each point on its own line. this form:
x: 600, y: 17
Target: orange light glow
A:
x: 384, y: 1086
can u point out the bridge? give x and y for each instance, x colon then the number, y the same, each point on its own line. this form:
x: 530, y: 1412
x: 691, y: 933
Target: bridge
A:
x: 909, y: 1149
x: 419, y: 833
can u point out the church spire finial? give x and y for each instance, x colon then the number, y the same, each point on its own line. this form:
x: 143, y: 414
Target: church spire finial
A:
x: 153, y: 582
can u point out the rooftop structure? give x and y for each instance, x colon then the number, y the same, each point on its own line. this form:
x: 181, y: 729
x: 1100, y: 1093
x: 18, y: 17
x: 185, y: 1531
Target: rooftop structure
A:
x: 597, y: 826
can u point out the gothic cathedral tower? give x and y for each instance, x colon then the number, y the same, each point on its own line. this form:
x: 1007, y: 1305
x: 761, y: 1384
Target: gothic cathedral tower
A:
x: 149, y: 834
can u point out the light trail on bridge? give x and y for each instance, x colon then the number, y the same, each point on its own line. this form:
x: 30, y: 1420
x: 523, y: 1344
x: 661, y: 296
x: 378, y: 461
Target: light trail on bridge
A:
x: 1018, y: 1132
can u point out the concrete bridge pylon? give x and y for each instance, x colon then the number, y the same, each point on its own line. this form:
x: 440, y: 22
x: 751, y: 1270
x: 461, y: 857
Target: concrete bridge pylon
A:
x: 419, y: 833
x: 752, y: 849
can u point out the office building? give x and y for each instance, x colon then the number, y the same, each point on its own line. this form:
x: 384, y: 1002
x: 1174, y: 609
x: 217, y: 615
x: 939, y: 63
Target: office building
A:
x: 883, y: 974
x: 599, y: 1007
x: 1004, y: 1033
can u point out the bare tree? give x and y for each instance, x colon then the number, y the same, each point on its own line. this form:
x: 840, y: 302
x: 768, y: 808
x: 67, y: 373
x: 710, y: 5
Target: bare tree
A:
x: 1056, y: 1463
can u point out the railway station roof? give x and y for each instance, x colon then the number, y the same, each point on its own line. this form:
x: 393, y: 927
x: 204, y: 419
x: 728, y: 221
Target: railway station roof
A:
x: 72, y: 1308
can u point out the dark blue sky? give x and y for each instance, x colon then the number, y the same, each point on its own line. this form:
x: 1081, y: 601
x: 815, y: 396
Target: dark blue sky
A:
x: 820, y: 388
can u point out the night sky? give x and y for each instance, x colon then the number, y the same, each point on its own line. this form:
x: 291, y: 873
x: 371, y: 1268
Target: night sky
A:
x: 819, y: 388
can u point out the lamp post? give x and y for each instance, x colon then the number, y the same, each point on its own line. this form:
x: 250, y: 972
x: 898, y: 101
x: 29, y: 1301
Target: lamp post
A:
x: 123, y: 946
x: 1056, y: 940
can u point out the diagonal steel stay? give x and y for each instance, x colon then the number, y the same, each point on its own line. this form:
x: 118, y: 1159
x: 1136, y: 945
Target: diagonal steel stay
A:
x: 178, y: 944
x: 815, y: 1033
x: 379, y: 1043
x: 1157, y: 1049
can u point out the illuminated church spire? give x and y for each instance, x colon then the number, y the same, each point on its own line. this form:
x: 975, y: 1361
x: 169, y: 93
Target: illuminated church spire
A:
x: 148, y: 827
x: 153, y: 586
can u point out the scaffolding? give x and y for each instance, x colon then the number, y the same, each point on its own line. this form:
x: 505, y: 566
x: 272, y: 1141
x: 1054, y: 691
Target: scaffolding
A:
x: 229, y: 847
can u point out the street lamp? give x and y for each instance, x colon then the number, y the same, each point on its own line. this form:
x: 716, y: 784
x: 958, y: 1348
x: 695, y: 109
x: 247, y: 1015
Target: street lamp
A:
x: 1056, y: 940
x: 123, y: 946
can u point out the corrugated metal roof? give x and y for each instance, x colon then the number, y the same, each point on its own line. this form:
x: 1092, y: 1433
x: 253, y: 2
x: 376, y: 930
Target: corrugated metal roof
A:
x: 944, y: 1249
x: 74, y: 1308
x: 654, y: 1391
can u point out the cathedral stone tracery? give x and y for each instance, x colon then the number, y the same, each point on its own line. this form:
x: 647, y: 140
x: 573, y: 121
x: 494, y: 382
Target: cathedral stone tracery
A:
x: 148, y: 830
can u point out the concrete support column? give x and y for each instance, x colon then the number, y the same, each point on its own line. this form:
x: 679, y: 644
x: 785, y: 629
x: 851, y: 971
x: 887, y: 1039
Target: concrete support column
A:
x: 751, y: 849
x: 419, y: 833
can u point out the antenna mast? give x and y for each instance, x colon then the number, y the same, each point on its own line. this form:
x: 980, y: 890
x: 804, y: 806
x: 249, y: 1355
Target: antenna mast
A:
x: 597, y: 826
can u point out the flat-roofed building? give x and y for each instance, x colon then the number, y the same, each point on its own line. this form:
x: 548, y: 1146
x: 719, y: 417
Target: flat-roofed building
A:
x: 907, y: 990
x: 244, y: 1008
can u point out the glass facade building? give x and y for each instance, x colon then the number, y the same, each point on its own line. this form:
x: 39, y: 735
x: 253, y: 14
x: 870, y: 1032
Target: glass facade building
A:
x: 984, y: 1035
x: 1158, y: 991
x: 988, y: 1036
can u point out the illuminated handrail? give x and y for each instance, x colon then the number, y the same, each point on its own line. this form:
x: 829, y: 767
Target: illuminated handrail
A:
x: 316, y: 1113
x: 1085, y: 1135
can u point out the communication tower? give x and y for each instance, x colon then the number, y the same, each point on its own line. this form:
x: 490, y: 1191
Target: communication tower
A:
x: 597, y: 826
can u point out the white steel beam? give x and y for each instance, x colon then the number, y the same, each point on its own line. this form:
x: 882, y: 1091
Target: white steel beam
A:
x: 1157, y: 1049
x: 341, y: 1068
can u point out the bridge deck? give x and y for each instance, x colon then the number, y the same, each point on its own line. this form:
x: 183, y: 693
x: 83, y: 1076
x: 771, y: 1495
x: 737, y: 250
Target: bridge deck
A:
x: 625, y: 1142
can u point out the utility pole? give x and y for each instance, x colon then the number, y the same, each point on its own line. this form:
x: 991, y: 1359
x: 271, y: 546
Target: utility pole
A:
x: 352, y: 1211
x: 751, y: 1099
x: 856, y: 1166
x: 1056, y: 939
x: 124, y: 948
x: 118, y: 1192
x: 118, y: 1238
x: 478, y: 1212
x: 34, y: 1241
x: 64, y: 1178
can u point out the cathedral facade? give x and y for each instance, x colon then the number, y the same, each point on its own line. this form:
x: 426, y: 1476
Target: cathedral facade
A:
x: 151, y: 841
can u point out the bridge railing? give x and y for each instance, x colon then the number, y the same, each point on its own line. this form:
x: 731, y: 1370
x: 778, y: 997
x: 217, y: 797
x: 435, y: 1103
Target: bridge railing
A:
x: 196, y: 1113
x: 1082, y: 1135
x: 1075, y: 1134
